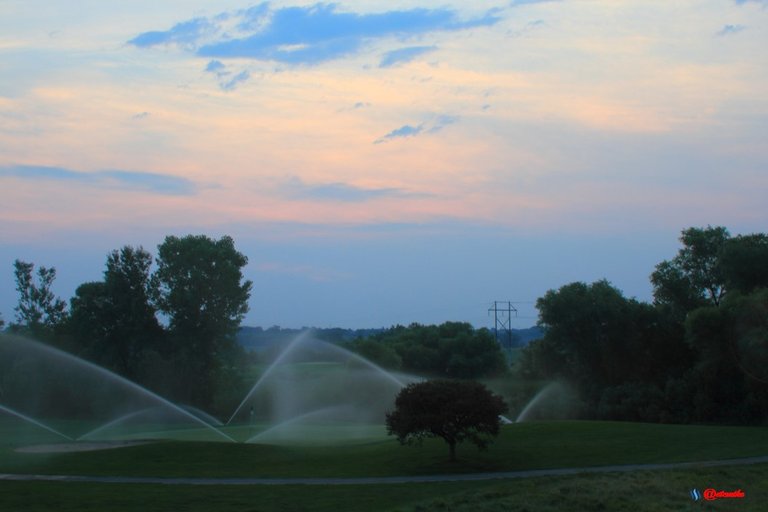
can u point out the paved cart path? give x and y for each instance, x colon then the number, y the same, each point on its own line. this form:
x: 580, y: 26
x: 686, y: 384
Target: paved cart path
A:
x: 379, y: 480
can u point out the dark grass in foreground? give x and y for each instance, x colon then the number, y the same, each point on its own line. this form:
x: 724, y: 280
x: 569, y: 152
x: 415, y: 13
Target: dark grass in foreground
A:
x: 644, y: 491
x: 519, y: 447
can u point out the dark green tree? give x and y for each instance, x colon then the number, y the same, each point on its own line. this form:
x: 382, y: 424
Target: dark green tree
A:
x: 748, y: 332
x: 89, y: 320
x: 114, y: 320
x: 728, y: 381
x: 451, y: 349
x: 39, y: 311
x: 744, y: 263
x: 199, y: 286
x: 694, y: 277
x: 455, y: 411
x: 596, y: 338
x: 471, y: 353
x: 378, y: 353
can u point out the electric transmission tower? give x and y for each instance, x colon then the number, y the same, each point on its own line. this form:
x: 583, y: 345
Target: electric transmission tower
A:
x: 502, y: 316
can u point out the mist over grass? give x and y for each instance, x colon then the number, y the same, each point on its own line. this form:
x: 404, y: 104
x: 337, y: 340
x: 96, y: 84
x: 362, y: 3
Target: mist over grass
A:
x: 522, y: 446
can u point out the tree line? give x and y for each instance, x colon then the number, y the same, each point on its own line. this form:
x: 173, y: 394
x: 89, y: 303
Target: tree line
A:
x: 450, y: 350
x: 698, y: 353
x: 198, y: 291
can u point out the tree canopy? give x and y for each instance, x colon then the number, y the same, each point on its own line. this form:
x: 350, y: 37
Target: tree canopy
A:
x: 38, y: 311
x: 694, y: 277
x: 451, y: 349
x: 199, y: 286
x: 455, y: 411
x: 113, y: 320
x: 744, y: 262
x: 697, y: 353
x: 595, y: 337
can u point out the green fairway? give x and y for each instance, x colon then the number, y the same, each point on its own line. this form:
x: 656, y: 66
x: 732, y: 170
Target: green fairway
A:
x: 520, y: 446
x: 534, y: 445
x: 642, y: 491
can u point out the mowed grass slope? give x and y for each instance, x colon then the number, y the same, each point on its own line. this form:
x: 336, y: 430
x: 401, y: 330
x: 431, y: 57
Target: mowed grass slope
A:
x: 536, y: 445
x: 643, y: 491
x: 522, y: 446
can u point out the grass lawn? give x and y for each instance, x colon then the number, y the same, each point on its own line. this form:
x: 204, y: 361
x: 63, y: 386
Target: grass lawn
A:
x: 643, y: 491
x: 521, y: 446
x: 535, y: 445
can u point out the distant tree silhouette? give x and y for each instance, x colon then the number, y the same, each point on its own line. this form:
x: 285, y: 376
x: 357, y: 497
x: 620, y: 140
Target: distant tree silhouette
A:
x: 112, y: 320
x: 38, y: 311
x: 453, y: 350
x: 199, y: 286
x: 694, y: 277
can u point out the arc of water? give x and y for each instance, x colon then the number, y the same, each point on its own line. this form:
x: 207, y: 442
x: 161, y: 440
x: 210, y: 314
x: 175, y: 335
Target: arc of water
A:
x: 130, y: 384
x: 202, y: 414
x: 297, y: 419
x: 301, y: 338
x: 543, y: 392
x: 113, y: 422
x: 361, y: 359
x: 33, y: 421
x: 290, y: 348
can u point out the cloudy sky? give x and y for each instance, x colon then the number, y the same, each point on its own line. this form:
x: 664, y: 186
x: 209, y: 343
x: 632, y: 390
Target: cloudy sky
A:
x: 382, y: 162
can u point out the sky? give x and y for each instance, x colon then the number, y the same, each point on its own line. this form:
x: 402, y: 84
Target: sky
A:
x: 382, y: 162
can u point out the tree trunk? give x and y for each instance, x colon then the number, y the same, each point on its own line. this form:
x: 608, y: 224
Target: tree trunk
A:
x: 452, y: 446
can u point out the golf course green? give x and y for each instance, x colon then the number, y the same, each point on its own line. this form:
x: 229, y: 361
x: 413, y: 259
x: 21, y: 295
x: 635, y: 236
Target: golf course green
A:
x: 523, y: 446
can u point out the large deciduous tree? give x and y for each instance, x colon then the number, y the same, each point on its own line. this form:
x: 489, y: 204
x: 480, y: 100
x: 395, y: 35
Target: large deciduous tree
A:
x: 729, y: 380
x: 199, y: 286
x: 38, y: 311
x: 114, y: 320
x: 744, y: 262
x: 596, y: 338
x: 450, y: 350
x: 694, y: 277
x: 455, y: 411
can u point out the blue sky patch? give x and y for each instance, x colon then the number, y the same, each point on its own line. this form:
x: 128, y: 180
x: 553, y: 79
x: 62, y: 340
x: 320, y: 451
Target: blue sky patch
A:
x: 402, y: 132
x: 517, y: 3
x: 164, y: 184
x: 232, y: 83
x: 404, y: 55
x: 432, y: 126
x: 215, y: 66
x: 307, y: 34
x: 729, y: 30
x: 185, y: 33
x: 297, y: 188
